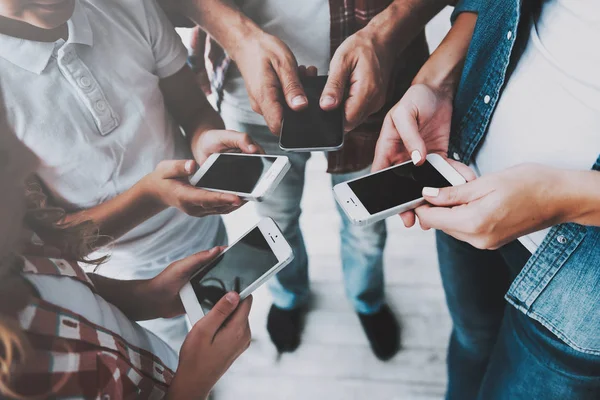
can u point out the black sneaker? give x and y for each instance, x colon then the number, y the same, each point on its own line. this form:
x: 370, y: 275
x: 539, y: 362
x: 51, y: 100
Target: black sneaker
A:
x: 285, y: 327
x: 383, y: 332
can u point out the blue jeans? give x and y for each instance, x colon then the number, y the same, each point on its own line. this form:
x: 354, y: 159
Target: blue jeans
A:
x: 362, y: 247
x: 495, y: 351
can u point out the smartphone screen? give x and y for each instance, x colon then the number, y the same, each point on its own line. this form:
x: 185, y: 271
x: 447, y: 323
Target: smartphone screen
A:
x: 396, y: 186
x: 234, y: 270
x: 236, y: 173
x: 312, y: 128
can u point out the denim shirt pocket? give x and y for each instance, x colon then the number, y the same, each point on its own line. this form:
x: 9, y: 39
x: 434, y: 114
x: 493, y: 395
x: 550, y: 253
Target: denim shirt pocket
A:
x: 560, y: 286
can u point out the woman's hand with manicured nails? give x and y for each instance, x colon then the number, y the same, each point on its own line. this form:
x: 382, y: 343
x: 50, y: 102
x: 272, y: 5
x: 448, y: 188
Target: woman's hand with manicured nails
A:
x: 210, y: 348
x: 168, y: 186
x: 496, y: 209
x: 418, y: 125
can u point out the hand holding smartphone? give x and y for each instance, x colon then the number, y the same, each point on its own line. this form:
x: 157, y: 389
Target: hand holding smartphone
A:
x: 243, y: 267
x: 394, y: 190
x: 249, y: 176
x: 312, y: 129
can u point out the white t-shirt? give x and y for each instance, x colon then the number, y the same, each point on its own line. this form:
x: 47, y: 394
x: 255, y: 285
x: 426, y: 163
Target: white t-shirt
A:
x: 302, y: 25
x: 92, y: 111
x: 549, y: 112
x: 61, y: 290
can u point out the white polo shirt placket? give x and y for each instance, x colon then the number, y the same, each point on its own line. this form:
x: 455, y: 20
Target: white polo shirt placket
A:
x: 88, y: 88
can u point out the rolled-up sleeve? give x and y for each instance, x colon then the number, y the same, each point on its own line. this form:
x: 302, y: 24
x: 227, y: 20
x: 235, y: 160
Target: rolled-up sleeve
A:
x: 473, y: 6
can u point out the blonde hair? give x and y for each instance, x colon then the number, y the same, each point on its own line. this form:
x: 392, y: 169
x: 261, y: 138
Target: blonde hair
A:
x: 75, y: 241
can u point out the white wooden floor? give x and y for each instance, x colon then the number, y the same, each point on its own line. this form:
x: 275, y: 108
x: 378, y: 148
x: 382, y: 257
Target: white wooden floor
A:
x: 334, y: 361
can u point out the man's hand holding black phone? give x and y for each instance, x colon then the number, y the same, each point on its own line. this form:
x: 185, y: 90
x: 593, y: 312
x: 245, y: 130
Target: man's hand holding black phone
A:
x: 312, y: 128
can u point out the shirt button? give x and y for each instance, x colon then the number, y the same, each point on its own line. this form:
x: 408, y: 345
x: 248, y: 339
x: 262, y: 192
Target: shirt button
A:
x: 487, y: 99
x: 561, y: 239
x: 456, y: 156
x: 85, y: 82
x: 101, y: 106
x: 509, y: 35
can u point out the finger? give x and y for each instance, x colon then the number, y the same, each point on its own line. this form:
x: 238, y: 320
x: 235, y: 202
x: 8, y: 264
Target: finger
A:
x: 184, y: 269
x: 311, y: 71
x: 240, y: 317
x: 408, y: 218
x: 456, y: 195
x: 390, y: 149
x: 302, y: 70
x: 462, y: 169
x: 356, y: 107
x: 404, y: 117
x: 291, y: 86
x: 272, y: 110
x: 333, y: 93
x: 241, y: 141
x: 169, y: 169
x: 194, y: 197
x: 224, y: 308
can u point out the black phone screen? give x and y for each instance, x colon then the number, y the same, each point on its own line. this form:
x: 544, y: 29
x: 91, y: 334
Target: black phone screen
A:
x: 236, y: 269
x: 396, y: 186
x: 312, y: 127
x: 236, y: 173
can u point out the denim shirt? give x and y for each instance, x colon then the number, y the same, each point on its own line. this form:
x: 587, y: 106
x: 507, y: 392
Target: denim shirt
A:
x: 560, y: 285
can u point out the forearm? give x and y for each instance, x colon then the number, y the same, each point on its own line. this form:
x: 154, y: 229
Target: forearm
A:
x: 397, y: 26
x: 580, y: 197
x: 223, y: 20
x: 119, y: 215
x: 131, y: 297
x: 444, y: 67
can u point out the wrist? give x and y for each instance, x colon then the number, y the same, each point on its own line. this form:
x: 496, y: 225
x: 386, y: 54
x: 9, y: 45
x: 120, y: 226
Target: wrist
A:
x: 576, y: 200
x: 147, y: 194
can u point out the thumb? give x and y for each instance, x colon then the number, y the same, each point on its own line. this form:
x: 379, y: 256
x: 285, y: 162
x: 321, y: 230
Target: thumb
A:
x: 241, y: 141
x: 291, y: 85
x: 176, y: 168
x: 183, y: 270
x: 221, y: 311
x: 333, y: 93
x: 456, y: 195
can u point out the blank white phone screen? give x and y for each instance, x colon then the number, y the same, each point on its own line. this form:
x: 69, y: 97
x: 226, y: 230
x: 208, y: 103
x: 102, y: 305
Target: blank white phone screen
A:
x: 235, y: 270
x: 236, y: 173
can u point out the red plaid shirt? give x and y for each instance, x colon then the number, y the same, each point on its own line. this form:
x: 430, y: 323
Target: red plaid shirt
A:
x: 347, y: 17
x: 74, y: 358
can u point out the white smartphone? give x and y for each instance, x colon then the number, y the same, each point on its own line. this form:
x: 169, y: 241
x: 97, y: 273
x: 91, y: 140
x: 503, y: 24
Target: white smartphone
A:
x: 250, y: 176
x: 243, y: 267
x: 393, y: 190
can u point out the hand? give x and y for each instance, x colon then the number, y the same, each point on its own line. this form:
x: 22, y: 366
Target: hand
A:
x: 168, y: 186
x: 162, y: 291
x: 418, y: 125
x: 364, y: 66
x: 210, y: 348
x: 223, y: 141
x: 270, y: 71
x: 497, y: 208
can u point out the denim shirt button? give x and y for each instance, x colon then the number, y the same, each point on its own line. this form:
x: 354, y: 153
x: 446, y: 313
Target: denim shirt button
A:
x: 456, y: 156
x: 509, y: 35
x: 487, y: 99
x: 561, y: 239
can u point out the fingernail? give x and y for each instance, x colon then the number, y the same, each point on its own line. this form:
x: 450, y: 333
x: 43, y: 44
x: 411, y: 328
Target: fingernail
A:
x: 252, y: 148
x: 232, y: 297
x: 327, y: 101
x: 299, y: 101
x: 431, y: 192
x: 415, y: 156
x: 188, y: 166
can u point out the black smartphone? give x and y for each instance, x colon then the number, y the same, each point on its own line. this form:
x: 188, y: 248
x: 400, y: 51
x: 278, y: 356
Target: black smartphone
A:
x: 312, y: 129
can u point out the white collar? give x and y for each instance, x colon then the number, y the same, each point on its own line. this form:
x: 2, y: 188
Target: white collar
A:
x: 34, y: 56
